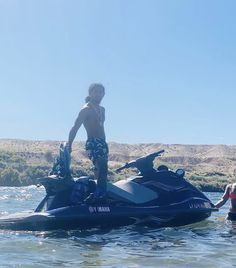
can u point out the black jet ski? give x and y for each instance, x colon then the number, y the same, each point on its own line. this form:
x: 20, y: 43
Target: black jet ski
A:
x: 155, y: 197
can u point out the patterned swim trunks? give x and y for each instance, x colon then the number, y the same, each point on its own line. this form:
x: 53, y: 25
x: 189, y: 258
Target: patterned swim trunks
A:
x: 96, y: 148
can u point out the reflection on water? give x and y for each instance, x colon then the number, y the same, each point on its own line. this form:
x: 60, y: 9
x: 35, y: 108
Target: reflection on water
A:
x: 206, y: 244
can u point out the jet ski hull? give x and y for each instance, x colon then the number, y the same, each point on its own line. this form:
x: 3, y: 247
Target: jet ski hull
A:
x: 107, y: 216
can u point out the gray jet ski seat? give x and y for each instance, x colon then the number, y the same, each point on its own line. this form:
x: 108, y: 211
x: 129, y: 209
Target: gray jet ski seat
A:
x: 130, y: 191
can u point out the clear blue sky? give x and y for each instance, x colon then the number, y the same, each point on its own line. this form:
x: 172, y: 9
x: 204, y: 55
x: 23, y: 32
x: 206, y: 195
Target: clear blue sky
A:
x: 168, y: 66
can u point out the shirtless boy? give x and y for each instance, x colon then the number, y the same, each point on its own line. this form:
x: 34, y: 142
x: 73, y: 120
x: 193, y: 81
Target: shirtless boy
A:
x: 92, y: 117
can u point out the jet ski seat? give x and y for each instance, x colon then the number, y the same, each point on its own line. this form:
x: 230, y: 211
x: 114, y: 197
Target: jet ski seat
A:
x: 130, y: 191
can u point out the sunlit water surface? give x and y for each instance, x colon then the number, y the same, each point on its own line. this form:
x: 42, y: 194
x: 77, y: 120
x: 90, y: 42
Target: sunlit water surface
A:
x: 210, y: 243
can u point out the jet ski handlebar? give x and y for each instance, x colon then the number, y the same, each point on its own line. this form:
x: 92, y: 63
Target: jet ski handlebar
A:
x: 154, y: 155
x: 145, y: 160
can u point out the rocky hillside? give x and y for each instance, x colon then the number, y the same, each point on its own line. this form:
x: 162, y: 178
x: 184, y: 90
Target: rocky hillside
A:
x: 204, y: 164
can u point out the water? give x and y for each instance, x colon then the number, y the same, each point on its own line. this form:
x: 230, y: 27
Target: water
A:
x: 210, y: 243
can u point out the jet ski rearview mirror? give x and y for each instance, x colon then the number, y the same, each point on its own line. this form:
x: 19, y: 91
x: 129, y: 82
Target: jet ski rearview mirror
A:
x: 180, y: 172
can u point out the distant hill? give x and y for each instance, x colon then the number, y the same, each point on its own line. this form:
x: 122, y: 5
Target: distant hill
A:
x: 204, y: 164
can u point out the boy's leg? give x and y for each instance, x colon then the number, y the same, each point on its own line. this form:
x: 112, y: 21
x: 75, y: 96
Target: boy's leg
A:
x: 101, y: 168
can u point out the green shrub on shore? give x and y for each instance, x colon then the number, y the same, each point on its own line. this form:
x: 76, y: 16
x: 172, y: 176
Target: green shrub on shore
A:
x: 16, y: 170
x: 10, y: 177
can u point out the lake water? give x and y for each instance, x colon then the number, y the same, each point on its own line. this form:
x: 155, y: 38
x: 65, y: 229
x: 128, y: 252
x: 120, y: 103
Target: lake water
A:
x: 210, y: 243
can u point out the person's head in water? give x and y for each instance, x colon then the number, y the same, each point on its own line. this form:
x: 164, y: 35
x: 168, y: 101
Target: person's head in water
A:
x: 96, y: 92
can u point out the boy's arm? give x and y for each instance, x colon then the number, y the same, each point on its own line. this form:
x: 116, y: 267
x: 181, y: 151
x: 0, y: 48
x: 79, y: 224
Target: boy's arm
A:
x: 78, y: 122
